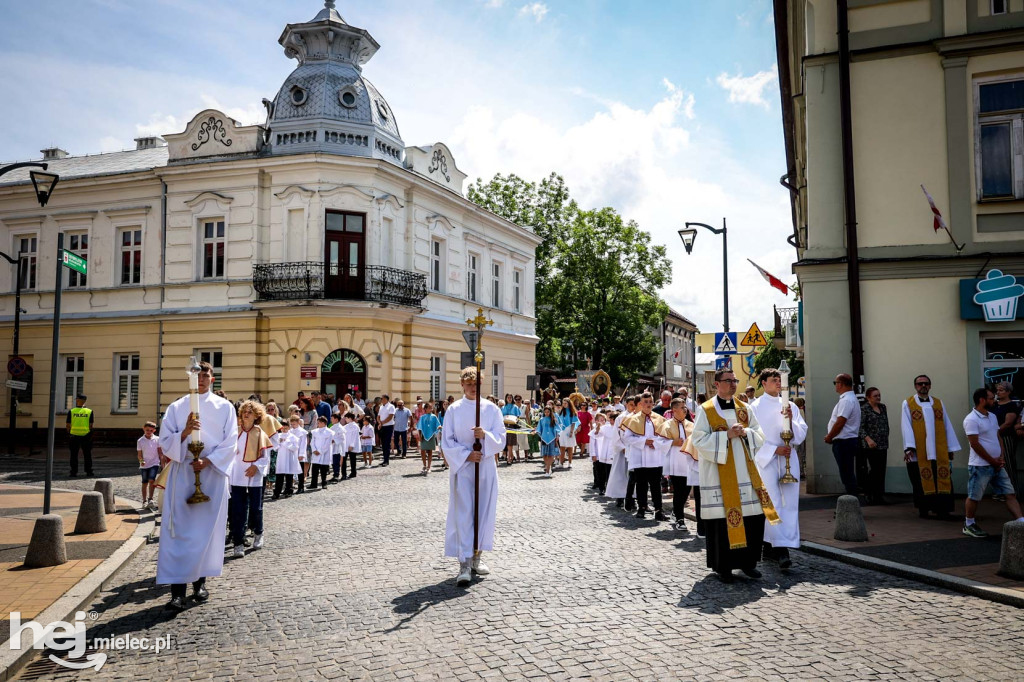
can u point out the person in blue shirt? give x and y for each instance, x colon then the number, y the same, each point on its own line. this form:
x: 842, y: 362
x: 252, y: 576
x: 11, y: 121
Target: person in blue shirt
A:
x: 509, y: 409
x: 323, y: 408
x: 429, y: 427
x: 547, y: 431
x: 568, y: 424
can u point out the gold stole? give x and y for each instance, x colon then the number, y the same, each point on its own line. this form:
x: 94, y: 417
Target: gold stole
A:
x: 670, y: 429
x: 921, y: 441
x: 254, y: 446
x: 731, y: 498
x: 637, y: 422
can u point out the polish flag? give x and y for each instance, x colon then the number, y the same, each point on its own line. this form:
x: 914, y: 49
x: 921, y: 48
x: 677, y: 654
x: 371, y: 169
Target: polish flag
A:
x: 770, y: 278
x: 675, y: 356
x: 938, y: 223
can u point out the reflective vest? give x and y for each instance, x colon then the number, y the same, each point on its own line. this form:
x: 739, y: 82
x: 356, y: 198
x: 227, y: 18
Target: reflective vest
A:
x: 80, y: 421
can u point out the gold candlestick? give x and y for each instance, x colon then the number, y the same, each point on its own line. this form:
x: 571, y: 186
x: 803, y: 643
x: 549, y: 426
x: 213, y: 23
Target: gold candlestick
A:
x: 787, y: 477
x: 196, y: 448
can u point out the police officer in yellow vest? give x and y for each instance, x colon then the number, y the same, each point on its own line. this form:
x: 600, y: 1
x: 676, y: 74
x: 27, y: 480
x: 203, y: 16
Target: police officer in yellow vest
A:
x: 79, y: 425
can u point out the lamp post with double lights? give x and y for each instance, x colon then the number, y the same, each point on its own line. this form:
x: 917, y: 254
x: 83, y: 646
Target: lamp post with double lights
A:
x: 689, y: 236
x: 42, y: 184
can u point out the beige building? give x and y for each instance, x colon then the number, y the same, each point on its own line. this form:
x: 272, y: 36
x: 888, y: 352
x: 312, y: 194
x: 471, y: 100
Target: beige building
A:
x: 936, y: 95
x: 314, y: 252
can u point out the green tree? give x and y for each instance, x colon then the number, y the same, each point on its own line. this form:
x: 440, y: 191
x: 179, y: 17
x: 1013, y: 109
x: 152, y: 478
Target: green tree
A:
x: 596, y: 278
x: 771, y: 357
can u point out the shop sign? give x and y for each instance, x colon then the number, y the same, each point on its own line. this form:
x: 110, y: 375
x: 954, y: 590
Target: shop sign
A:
x: 993, y: 298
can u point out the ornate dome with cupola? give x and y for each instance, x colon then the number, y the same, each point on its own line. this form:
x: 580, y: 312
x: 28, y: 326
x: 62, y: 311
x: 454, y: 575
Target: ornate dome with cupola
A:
x: 326, y: 105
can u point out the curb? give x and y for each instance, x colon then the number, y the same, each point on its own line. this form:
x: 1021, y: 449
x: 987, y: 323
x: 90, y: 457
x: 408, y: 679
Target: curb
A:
x: 921, y: 575
x: 81, y: 595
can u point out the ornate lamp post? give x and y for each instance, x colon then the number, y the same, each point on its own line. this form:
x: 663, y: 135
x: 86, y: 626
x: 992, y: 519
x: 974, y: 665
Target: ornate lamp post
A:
x: 689, y: 236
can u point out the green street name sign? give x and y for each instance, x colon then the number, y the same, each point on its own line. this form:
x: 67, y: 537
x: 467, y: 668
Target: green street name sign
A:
x: 74, y: 262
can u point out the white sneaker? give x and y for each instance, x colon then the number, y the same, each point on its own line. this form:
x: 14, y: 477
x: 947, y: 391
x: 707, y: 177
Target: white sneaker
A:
x: 257, y: 542
x: 465, y: 573
x: 479, y: 567
x: 239, y: 551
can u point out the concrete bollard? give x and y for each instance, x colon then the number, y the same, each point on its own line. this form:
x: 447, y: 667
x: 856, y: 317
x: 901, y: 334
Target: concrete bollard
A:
x: 850, y: 520
x: 46, y: 548
x: 92, y: 517
x: 106, y: 486
x: 1011, y: 553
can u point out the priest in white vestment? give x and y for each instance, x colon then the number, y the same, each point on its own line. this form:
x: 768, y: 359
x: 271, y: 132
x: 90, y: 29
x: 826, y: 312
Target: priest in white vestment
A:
x: 192, y: 535
x: 771, y: 462
x: 928, y: 450
x: 457, y: 437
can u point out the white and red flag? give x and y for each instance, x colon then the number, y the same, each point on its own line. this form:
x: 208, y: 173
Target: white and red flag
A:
x: 939, y: 223
x: 770, y: 278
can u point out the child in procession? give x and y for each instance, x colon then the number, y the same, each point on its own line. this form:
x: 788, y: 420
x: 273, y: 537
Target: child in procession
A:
x: 351, y: 445
x: 322, y: 443
x: 338, y: 446
x: 429, y: 428
x: 366, y: 437
x: 595, y: 449
x: 252, y: 462
x: 288, y: 458
x: 298, y: 429
x: 568, y: 423
x: 547, y: 432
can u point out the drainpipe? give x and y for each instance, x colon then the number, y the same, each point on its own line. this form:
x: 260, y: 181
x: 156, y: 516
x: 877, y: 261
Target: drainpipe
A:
x: 163, y: 283
x: 850, y: 199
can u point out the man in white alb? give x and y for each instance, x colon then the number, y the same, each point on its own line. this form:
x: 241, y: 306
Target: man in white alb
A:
x: 458, y: 436
x: 192, y: 535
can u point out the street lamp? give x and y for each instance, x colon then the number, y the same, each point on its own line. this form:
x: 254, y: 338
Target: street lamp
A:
x: 43, y: 184
x: 689, y: 236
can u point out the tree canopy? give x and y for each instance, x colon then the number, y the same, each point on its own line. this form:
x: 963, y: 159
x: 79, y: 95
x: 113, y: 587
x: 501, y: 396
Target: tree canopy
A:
x: 597, y: 278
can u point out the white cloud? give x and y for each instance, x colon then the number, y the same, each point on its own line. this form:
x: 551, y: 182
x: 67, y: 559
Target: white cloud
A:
x: 750, y: 89
x: 537, y: 10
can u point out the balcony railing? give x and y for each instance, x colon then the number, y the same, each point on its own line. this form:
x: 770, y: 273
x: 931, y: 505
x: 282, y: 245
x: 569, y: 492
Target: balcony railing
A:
x: 787, y: 322
x: 300, y: 281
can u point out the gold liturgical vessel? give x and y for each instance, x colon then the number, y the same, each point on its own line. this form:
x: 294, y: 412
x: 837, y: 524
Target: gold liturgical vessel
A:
x: 196, y: 445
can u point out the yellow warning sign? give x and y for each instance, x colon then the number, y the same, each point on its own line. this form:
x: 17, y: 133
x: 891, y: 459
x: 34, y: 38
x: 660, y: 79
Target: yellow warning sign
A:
x: 754, y: 337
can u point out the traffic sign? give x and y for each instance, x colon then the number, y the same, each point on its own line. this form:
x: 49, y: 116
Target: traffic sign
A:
x: 725, y: 343
x: 472, y: 336
x: 74, y: 262
x: 754, y: 337
x: 17, y: 385
x: 723, y: 363
x: 16, y: 366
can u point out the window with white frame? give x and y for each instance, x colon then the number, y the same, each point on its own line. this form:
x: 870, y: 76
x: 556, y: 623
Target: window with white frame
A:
x: 436, y: 264
x: 213, y: 246
x: 131, y: 255
x: 517, y: 291
x: 126, y: 382
x: 495, y: 285
x: 999, y: 130
x: 997, y: 6
x: 26, y: 246
x: 474, y: 275
x: 74, y: 379
x: 497, y: 380
x: 214, y: 356
x: 436, y: 377
x: 78, y: 244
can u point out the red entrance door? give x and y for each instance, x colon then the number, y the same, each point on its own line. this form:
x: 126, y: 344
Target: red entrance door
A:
x: 344, y: 255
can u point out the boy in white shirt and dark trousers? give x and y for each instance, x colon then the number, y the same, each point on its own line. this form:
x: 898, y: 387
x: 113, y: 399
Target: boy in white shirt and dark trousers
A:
x: 987, y: 463
x: 148, y: 449
x: 337, y: 446
x: 288, y: 465
x: 351, y: 445
x: 321, y: 442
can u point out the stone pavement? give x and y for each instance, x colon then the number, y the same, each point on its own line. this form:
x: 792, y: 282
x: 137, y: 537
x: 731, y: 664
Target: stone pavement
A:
x: 352, y: 585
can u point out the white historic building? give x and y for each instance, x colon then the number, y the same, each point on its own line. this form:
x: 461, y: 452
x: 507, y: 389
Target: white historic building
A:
x: 316, y: 251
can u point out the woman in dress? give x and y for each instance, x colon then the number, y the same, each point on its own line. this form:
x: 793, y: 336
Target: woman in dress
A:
x: 568, y: 423
x: 547, y: 432
x: 509, y: 409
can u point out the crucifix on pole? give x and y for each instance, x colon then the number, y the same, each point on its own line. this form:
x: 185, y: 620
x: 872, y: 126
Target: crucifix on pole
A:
x: 478, y: 322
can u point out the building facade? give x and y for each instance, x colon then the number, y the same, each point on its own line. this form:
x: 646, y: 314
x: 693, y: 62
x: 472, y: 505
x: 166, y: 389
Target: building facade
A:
x: 678, y: 336
x: 936, y: 95
x: 314, y: 252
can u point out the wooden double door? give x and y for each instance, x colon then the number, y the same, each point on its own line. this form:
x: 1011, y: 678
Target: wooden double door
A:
x: 345, y: 255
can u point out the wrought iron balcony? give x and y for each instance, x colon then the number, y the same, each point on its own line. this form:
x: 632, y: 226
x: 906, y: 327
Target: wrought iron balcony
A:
x: 300, y: 281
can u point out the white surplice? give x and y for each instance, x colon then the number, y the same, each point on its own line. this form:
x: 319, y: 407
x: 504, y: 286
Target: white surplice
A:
x: 712, y: 449
x: 639, y: 454
x: 618, y: 478
x: 609, y: 442
x: 237, y: 476
x: 457, y: 442
x: 928, y: 412
x: 677, y: 462
x: 321, y: 440
x: 339, y: 439
x: 785, y: 496
x: 192, y: 535
x: 288, y: 453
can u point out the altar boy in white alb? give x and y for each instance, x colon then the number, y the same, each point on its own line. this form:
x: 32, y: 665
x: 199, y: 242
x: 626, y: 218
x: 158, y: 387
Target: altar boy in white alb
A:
x: 457, y: 437
x: 192, y: 535
x: 771, y: 462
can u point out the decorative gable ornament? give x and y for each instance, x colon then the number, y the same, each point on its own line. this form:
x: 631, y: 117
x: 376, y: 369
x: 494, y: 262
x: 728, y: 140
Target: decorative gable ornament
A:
x: 436, y: 163
x: 213, y: 133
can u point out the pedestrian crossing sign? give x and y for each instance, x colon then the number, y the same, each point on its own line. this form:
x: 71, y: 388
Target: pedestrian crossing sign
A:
x: 754, y: 337
x: 725, y: 343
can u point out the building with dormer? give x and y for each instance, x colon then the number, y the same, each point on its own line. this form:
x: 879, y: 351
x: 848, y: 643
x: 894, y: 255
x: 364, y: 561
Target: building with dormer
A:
x: 317, y: 251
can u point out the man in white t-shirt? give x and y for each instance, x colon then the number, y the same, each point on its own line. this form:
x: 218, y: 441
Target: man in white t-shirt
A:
x: 844, y: 432
x: 386, y: 423
x: 987, y: 463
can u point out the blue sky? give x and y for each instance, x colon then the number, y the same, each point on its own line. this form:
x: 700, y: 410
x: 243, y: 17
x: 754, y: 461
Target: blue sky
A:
x: 667, y: 110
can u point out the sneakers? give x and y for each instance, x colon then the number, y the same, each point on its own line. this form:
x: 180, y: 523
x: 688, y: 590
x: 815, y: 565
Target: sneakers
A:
x: 465, y: 573
x: 660, y: 516
x: 257, y: 542
x: 151, y: 505
x: 974, y: 531
x: 681, y: 526
x: 478, y: 566
x: 239, y: 551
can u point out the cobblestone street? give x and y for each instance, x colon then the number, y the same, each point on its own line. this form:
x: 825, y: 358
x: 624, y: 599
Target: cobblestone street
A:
x: 352, y: 584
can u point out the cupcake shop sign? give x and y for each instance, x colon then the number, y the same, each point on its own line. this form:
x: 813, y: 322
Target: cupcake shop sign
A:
x: 993, y: 299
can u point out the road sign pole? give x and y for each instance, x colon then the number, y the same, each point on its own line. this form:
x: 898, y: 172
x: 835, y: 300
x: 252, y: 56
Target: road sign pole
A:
x: 54, y: 357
